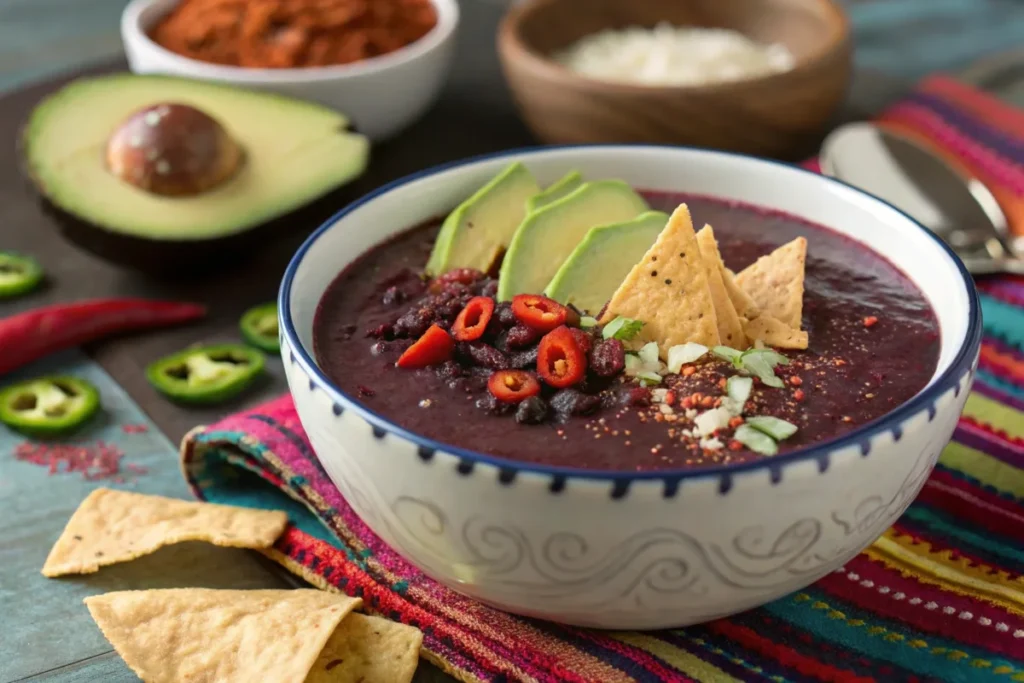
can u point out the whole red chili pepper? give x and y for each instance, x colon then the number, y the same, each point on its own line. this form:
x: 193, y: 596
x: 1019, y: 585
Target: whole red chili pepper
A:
x: 473, y: 319
x: 34, y: 334
x: 539, y: 312
x: 560, y: 360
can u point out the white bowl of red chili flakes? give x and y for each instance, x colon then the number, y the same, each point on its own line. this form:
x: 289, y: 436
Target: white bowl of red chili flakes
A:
x: 381, y: 63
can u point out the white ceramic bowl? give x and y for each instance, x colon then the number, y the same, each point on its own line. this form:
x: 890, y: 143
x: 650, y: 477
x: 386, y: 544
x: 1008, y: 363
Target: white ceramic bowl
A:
x: 382, y: 95
x: 618, y: 549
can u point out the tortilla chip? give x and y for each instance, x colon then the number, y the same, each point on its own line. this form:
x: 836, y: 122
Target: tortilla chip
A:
x: 219, y: 636
x: 776, y: 282
x: 668, y: 290
x: 774, y: 332
x: 116, y: 526
x: 744, y: 305
x: 730, y: 330
x: 368, y: 650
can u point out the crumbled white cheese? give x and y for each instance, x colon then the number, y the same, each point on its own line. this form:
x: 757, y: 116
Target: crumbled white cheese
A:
x: 666, y: 409
x: 670, y: 55
x: 658, y: 395
x: 712, y: 444
x: 707, y: 422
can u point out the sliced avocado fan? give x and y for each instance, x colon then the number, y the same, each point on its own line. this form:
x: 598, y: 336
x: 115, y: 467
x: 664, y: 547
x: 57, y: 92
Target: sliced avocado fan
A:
x: 294, y: 152
x: 602, y: 260
x: 546, y: 237
x: 564, y: 186
x: 476, y: 233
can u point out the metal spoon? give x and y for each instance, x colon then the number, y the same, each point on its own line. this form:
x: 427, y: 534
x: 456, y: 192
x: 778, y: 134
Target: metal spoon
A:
x: 959, y: 209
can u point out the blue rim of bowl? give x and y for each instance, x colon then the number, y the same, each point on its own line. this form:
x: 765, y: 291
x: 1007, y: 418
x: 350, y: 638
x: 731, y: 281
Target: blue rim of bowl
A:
x: 862, y: 436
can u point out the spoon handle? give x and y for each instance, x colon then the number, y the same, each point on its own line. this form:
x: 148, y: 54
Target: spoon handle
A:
x: 989, y: 266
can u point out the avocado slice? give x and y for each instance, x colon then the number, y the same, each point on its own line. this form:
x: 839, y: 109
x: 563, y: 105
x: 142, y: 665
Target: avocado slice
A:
x: 564, y: 186
x: 602, y: 260
x: 546, y: 238
x: 479, y: 229
x: 294, y: 152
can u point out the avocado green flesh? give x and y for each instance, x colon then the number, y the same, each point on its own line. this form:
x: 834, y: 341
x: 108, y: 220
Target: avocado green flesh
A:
x: 479, y: 229
x: 547, y: 237
x: 602, y: 260
x: 563, y: 187
x: 295, y: 151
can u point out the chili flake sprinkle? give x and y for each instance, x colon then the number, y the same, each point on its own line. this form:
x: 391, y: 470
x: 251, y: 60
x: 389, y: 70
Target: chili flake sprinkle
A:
x: 95, y: 461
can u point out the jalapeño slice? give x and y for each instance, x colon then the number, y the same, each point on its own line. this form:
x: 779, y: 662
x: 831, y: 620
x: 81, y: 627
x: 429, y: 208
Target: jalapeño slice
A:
x: 48, y: 405
x: 18, y: 274
x: 259, y: 327
x: 206, y: 374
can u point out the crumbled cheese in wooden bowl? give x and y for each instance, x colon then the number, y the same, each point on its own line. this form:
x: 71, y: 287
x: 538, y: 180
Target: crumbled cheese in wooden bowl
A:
x: 670, y: 55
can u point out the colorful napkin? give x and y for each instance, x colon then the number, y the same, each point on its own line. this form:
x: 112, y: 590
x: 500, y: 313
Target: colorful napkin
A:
x: 940, y: 596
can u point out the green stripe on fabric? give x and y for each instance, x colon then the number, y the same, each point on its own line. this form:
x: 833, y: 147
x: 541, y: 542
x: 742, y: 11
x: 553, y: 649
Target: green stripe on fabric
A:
x: 846, y: 626
x: 1000, y: 384
x: 1003, y: 320
x: 938, y: 522
x: 998, y: 415
x: 984, y: 468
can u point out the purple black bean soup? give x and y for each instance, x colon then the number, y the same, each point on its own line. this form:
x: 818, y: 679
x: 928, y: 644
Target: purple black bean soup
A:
x: 591, y: 325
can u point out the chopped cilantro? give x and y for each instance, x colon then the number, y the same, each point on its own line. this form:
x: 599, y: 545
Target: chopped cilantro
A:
x: 622, y: 329
x: 772, y: 426
x: 756, y: 440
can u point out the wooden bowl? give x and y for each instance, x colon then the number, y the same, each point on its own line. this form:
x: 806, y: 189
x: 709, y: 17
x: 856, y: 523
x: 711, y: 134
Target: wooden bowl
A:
x: 781, y: 114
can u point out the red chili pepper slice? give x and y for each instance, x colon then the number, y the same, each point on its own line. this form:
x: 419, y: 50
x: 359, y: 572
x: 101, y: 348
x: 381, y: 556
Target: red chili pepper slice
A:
x: 560, y: 360
x: 512, y: 386
x: 539, y: 312
x: 37, y: 333
x: 473, y: 319
x: 435, y: 346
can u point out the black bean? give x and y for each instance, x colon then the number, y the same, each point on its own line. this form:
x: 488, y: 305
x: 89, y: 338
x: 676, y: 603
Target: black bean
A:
x: 524, y: 359
x: 520, y: 336
x: 607, y: 358
x: 487, y: 356
x: 532, y: 410
x: 572, y: 402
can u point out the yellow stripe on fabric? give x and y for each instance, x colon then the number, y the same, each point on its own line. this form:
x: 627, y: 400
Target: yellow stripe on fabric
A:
x: 946, y: 577
x: 962, y: 565
x: 984, y: 468
x: 1003, y: 417
x: 689, y: 664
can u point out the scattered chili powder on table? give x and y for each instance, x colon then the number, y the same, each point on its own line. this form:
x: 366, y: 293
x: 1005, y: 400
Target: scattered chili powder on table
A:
x: 95, y: 461
x: 280, y: 34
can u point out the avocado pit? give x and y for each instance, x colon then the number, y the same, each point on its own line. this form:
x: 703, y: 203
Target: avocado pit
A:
x: 172, y: 150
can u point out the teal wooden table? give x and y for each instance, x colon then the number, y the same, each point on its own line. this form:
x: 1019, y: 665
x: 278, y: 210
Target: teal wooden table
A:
x: 45, y: 632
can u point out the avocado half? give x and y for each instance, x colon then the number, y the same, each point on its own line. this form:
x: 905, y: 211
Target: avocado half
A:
x: 295, y: 152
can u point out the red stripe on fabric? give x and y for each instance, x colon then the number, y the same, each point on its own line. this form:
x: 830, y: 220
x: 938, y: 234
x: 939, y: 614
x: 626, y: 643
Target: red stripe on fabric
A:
x: 1015, y: 443
x: 862, y: 592
x: 388, y: 601
x: 989, y: 498
x: 965, y: 505
x: 966, y: 149
x: 993, y: 111
x: 642, y: 658
x: 784, y: 655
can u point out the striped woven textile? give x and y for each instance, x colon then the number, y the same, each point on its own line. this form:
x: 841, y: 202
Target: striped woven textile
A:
x: 940, y: 596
